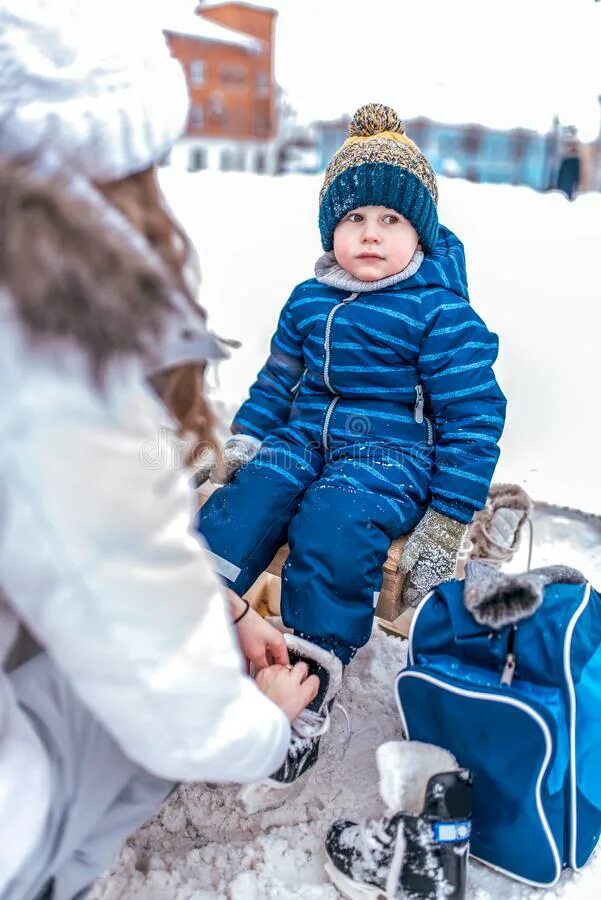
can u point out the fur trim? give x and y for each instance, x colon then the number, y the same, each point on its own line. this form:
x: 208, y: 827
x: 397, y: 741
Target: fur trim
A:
x: 508, y: 506
x: 511, y: 495
x: 405, y: 769
x: 496, y: 599
x: 75, y: 268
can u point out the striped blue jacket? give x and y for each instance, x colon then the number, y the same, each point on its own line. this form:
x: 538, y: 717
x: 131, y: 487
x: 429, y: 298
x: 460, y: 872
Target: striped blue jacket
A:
x: 413, y: 362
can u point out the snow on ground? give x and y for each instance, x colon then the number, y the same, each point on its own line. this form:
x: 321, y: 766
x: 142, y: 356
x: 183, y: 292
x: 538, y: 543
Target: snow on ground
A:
x: 202, y: 847
x: 532, y: 263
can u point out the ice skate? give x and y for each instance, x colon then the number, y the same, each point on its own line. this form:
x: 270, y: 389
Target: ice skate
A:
x: 306, y: 730
x: 419, y: 849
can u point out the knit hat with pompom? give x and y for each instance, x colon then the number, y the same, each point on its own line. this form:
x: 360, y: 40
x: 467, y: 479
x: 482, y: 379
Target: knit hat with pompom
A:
x: 378, y: 165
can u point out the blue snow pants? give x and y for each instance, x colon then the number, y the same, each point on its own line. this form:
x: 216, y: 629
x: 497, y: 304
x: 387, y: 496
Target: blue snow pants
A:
x: 339, y: 509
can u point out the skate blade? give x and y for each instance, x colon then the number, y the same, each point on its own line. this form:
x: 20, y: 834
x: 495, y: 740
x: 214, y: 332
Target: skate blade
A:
x: 264, y: 795
x: 351, y: 889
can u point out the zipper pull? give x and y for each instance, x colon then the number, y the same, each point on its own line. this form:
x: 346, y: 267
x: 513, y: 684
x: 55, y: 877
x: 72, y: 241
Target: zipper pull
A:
x: 419, y: 404
x: 296, y: 386
x: 508, y: 670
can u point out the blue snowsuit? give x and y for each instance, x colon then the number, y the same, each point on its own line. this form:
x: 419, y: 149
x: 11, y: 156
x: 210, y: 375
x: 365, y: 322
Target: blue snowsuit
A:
x: 371, y: 407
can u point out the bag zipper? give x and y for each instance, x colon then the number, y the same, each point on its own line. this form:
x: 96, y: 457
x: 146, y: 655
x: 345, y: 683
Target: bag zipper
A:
x: 510, y: 658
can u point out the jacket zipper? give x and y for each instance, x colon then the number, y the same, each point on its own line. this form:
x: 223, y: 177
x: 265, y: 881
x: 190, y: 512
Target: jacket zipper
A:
x: 326, y: 422
x: 296, y: 386
x: 326, y: 367
x: 418, y: 413
x: 326, y: 340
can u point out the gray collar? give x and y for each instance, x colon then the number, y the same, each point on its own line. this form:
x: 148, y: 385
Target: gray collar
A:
x: 328, y: 271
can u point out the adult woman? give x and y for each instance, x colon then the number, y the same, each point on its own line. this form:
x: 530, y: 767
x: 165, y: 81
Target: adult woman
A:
x: 141, y: 683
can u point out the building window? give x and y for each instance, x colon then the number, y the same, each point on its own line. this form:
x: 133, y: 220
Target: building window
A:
x: 216, y: 107
x: 226, y: 160
x: 235, y: 76
x: 260, y: 162
x: 197, y: 159
x: 197, y: 116
x: 261, y: 124
x: 197, y: 72
x: 519, y: 146
x: 262, y: 84
x: 472, y: 142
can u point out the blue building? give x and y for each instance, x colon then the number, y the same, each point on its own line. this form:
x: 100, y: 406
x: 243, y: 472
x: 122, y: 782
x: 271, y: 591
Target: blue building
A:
x: 473, y: 152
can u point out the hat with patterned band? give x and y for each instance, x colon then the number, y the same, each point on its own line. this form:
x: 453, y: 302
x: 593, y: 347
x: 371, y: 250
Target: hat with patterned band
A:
x: 378, y: 165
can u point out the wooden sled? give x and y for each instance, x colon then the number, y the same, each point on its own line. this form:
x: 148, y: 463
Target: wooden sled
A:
x: 391, y: 613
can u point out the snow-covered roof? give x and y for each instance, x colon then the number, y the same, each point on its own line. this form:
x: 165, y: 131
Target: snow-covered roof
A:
x: 207, y: 4
x: 180, y: 18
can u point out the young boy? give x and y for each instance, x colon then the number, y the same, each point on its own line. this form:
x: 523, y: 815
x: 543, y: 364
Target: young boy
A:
x: 377, y: 410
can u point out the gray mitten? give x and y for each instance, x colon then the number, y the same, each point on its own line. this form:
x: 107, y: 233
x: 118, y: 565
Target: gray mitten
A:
x: 430, y: 554
x: 237, y: 451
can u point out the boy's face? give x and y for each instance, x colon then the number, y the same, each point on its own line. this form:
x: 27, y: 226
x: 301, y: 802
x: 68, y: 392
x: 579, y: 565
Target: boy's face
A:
x: 373, y: 242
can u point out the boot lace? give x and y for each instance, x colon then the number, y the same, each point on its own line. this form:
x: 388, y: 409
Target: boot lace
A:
x: 374, y: 836
x: 310, y: 725
x: 307, y: 726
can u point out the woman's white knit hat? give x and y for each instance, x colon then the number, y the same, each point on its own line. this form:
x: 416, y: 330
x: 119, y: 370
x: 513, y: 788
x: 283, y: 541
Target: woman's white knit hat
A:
x: 91, y: 81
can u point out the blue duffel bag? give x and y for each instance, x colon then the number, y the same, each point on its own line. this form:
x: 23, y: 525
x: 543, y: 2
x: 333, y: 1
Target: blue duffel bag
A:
x: 505, y: 672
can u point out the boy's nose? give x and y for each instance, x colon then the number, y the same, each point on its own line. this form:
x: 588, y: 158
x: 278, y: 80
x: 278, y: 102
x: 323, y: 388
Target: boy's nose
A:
x: 370, y: 235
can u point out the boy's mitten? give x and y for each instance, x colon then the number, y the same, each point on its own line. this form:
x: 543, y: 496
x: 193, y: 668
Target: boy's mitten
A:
x: 237, y: 451
x: 430, y: 554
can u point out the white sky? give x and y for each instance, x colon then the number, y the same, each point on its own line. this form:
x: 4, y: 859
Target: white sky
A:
x: 508, y: 63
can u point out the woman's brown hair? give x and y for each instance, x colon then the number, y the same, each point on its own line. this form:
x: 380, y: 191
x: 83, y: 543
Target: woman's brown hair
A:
x: 138, y: 197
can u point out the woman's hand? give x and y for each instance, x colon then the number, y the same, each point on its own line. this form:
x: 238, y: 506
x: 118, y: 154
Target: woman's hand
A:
x: 289, y: 687
x: 260, y: 642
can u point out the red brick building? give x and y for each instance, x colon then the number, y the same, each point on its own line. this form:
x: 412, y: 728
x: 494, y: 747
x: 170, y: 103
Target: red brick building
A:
x: 226, y: 49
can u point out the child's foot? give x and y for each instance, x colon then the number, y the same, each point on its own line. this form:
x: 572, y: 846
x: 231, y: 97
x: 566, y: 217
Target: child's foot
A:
x: 419, y: 850
x: 306, y: 730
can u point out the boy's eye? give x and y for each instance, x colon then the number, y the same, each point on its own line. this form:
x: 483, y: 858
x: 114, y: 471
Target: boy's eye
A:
x: 355, y: 217
x: 391, y: 220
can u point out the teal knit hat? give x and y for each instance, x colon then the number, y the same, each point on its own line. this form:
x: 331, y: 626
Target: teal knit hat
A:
x: 378, y: 165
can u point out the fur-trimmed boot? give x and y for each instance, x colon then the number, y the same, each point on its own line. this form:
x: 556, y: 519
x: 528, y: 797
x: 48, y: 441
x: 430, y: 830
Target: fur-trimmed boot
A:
x: 306, y: 730
x: 419, y: 849
x: 496, y: 530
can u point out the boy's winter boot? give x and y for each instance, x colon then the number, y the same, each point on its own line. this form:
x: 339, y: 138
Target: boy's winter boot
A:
x: 419, y: 850
x: 307, y: 729
x: 495, y: 531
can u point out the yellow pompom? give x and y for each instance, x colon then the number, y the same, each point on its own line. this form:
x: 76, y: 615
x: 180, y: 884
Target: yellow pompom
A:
x: 373, y: 118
